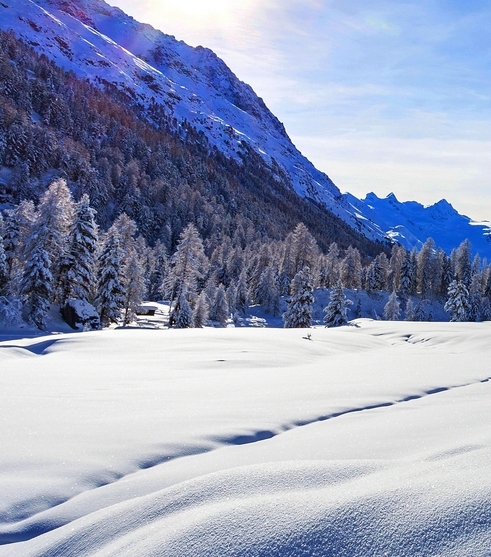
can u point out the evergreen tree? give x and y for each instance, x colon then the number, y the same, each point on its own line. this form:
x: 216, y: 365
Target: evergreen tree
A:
x: 51, y: 230
x: 189, y: 264
x: 36, y: 287
x: 183, y: 315
x: 406, y: 279
x: 4, y: 277
x: 79, y: 275
x: 10, y: 311
x: 242, y: 297
x: 336, y: 311
x: 396, y: 261
x: 358, y: 308
x: 426, y: 268
x: 457, y: 304
x: 409, y: 310
x: 134, y: 288
x: 110, y: 291
x: 267, y: 292
x: 304, y: 251
x: 447, y: 274
x: 419, y: 311
x: 485, y: 309
x: 332, y: 266
x: 17, y: 228
x: 219, y: 311
x: 475, y: 298
x: 201, y: 311
x: 159, y: 272
x: 463, y: 266
x: 299, y: 311
x: 392, y: 309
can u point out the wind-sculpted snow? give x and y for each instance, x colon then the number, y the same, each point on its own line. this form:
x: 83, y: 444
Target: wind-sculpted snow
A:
x: 370, y: 439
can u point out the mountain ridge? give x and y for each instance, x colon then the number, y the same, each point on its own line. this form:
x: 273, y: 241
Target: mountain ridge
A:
x: 410, y: 223
x: 111, y: 49
x: 186, y: 82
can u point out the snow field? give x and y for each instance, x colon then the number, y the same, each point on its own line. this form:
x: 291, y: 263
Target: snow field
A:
x: 370, y: 439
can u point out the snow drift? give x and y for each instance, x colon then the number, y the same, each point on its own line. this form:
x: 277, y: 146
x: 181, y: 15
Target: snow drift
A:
x: 369, y: 439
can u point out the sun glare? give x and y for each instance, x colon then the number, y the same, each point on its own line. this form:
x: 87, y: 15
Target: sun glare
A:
x: 202, y: 12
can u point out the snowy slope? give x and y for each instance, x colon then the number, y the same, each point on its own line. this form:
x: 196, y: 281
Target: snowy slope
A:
x: 410, y: 223
x: 367, y: 440
x: 105, y: 45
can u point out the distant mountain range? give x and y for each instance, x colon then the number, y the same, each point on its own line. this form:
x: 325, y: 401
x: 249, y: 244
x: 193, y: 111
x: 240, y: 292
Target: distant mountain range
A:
x: 110, y: 49
x: 410, y: 223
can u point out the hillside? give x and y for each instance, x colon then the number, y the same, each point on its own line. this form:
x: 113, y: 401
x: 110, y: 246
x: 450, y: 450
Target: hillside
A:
x: 55, y: 125
x: 159, y: 75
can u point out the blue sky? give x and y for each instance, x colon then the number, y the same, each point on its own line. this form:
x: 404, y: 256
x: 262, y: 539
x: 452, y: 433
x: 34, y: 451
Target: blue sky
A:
x: 383, y: 96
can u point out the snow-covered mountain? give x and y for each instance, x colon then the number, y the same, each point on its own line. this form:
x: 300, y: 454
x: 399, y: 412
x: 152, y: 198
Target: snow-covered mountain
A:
x: 104, y: 45
x: 410, y: 223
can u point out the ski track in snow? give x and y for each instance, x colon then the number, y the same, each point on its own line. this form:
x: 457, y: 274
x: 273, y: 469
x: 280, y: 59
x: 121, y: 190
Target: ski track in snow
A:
x: 42, y: 527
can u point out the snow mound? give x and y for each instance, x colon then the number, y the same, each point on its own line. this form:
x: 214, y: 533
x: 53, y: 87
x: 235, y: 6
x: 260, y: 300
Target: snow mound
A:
x: 297, y: 509
x: 366, y: 440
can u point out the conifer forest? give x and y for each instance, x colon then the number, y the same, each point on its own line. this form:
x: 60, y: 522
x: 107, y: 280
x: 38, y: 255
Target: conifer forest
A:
x: 108, y: 204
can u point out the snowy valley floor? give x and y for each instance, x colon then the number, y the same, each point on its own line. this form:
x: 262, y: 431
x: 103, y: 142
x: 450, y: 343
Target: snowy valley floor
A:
x: 368, y: 440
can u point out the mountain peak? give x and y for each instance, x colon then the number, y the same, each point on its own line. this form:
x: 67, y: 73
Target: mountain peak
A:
x: 410, y: 223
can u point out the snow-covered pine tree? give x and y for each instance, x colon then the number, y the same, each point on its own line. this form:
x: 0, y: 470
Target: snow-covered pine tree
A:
x: 380, y: 272
x: 4, y: 277
x: 79, y: 276
x: 358, y: 308
x: 10, y: 311
x: 406, y: 276
x: 183, y: 314
x: 396, y: 260
x: 336, y: 311
x: 392, y: 309
x: 188, y: 265
x: 159, y: 272
x: 51, y: 230
x: 267, y: 292
x: 134, y: 288
x: 457, y: 304
x: 232, y: 298
x: 426, y: 268
x: 300, y: 304
x: 475, y: 297
x: 485, y: 309
x: 110, y: 292
x: 419, y: 311
x: 463, y: 265
x: 17, y: 228
x: 242, y: 297
x: 36, y: 287
x: 201, y: 311
x: 409, y: 310
x: 447, y: 274
x: 219, y: 311
x: 332, y: 266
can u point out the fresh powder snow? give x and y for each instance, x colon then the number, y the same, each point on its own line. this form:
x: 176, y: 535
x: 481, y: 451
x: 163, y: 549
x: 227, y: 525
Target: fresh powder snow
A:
x: 365, y: 440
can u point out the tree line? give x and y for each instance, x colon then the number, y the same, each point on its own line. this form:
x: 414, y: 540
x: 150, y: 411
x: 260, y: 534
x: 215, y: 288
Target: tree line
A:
x: 55, y: 251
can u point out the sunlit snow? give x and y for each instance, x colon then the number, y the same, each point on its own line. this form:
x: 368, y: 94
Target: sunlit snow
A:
x: 367, y: 440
